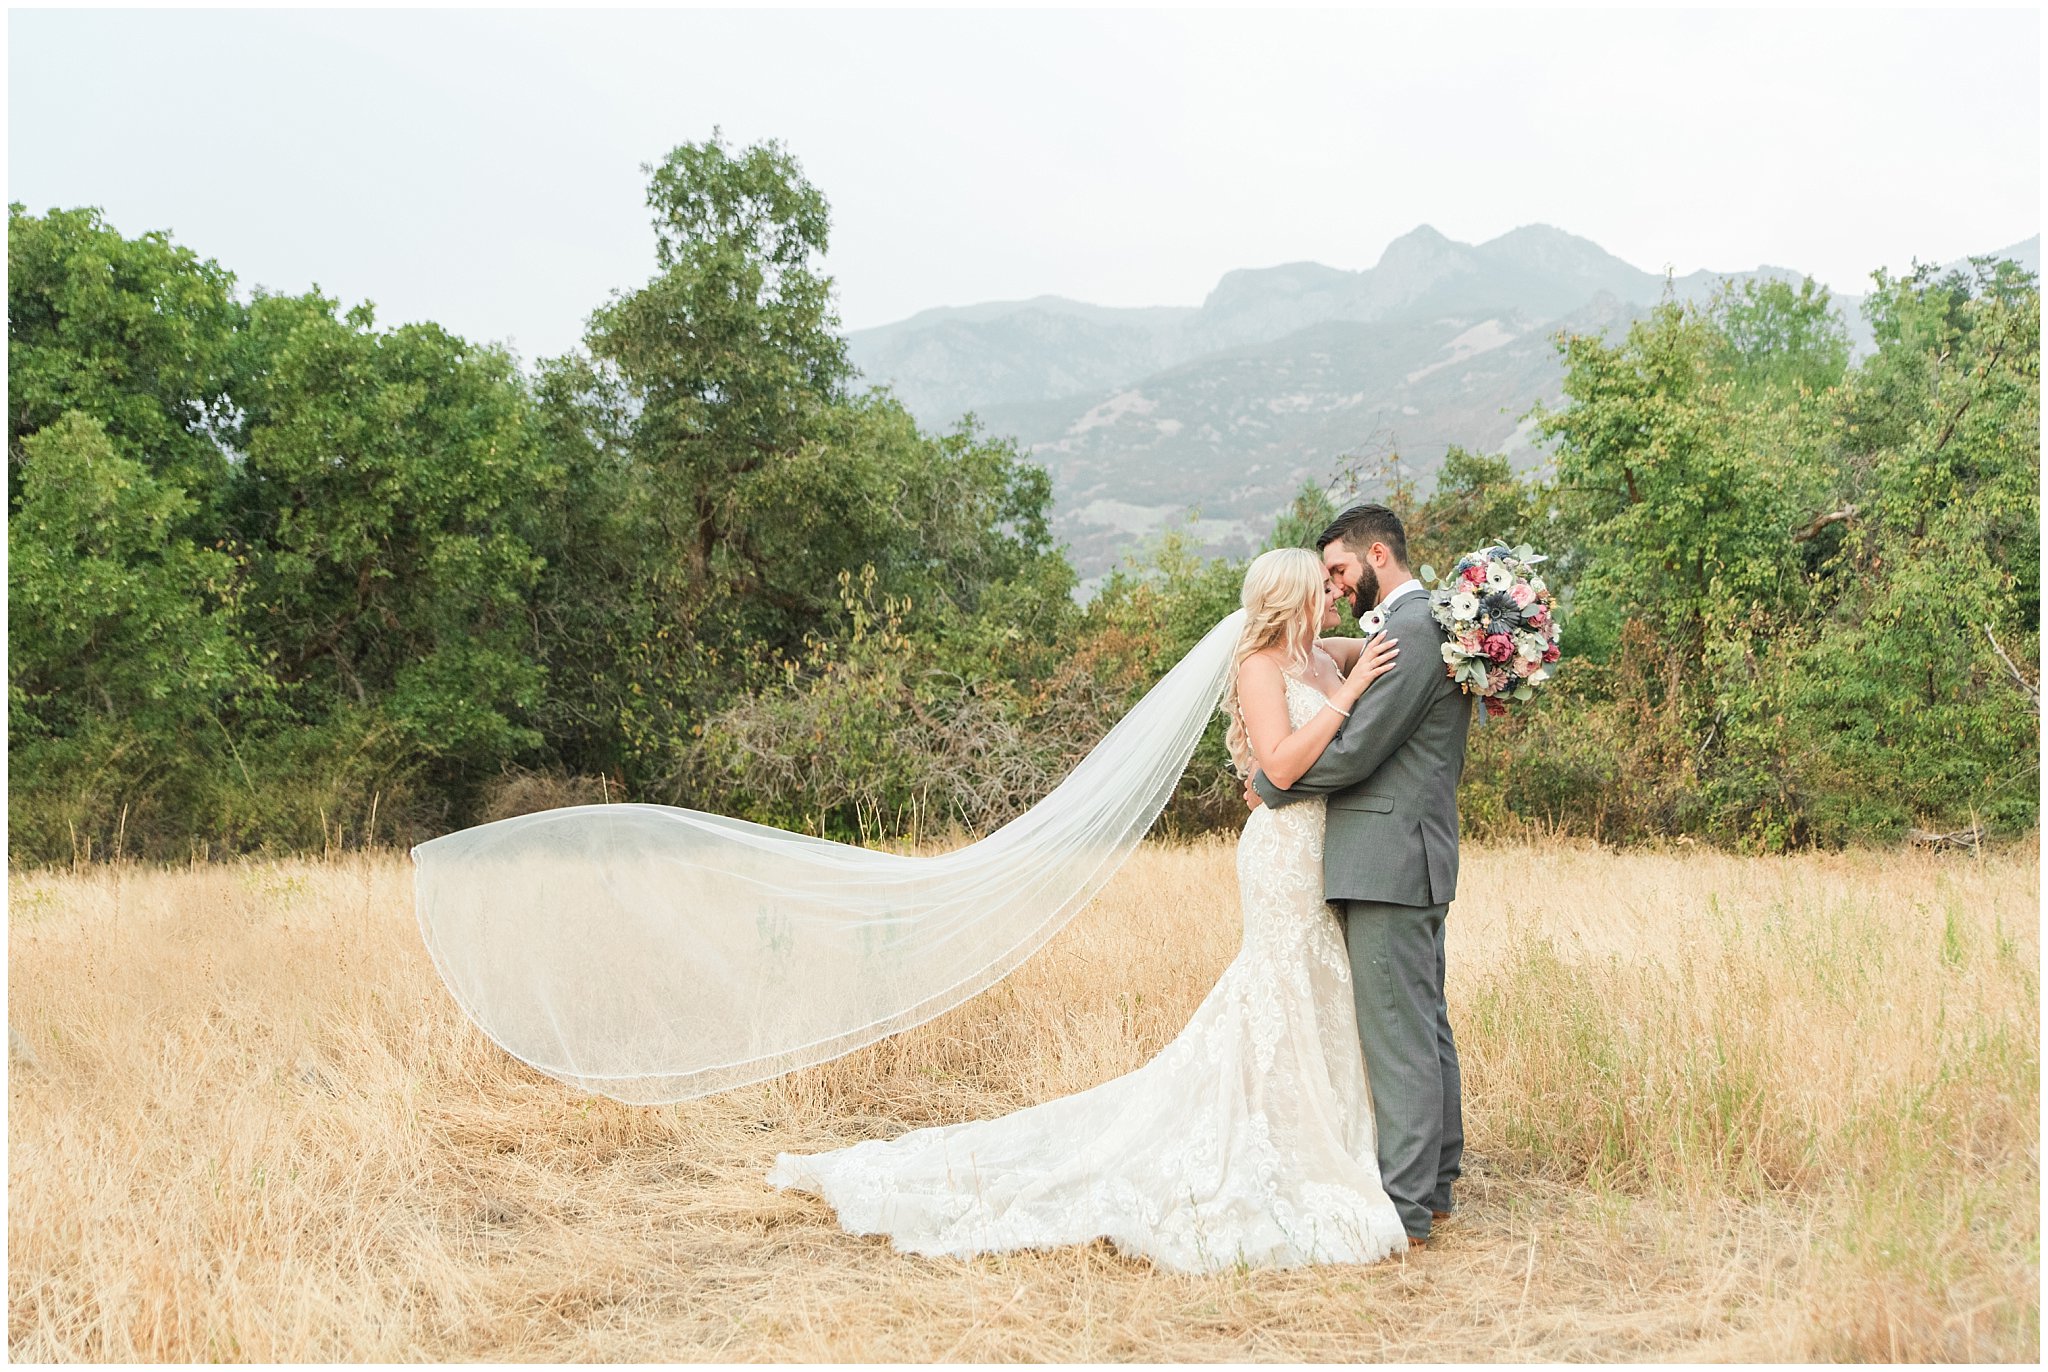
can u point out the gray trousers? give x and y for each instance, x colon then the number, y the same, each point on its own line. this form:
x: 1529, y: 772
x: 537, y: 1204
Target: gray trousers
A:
x: 1397, y: 981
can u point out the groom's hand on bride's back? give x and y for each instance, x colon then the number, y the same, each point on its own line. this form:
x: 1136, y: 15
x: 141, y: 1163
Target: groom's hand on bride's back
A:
x: 1252, y: 801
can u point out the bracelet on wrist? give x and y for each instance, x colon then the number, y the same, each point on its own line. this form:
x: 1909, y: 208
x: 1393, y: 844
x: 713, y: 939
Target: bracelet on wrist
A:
x: 1334, y: 706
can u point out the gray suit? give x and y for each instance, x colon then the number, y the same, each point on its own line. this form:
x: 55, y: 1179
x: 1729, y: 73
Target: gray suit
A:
x: 1390, y: 863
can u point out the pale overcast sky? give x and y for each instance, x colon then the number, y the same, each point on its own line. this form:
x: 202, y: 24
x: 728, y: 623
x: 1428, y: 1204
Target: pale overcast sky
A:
x: 482, y: 168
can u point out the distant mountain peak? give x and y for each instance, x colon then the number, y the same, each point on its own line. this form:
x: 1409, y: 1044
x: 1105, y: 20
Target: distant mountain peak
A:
x: 1251, y: 285
x: 1421, y: 243
x: 1421, y: 234
x: 1555, y: 253
x: 1419, y: 257
x: 1539, y: 232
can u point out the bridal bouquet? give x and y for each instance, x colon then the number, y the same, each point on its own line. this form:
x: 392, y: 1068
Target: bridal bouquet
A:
x: 1502, y: 624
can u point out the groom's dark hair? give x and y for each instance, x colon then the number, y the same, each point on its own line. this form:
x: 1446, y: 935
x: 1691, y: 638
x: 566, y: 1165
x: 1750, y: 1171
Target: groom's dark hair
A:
x: 1361, y: 526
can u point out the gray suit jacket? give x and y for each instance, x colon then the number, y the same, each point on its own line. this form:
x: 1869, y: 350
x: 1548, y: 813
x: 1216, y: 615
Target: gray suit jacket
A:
x: 1391, y: 776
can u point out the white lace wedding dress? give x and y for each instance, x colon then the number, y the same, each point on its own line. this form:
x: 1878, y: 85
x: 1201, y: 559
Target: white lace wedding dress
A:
x: 1248, y: 1140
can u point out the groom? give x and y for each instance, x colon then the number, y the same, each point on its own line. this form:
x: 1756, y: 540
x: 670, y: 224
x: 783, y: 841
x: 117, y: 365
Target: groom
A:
x: 1390, y: 864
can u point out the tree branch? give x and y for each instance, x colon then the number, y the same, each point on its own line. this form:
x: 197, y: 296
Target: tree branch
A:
x: 1961, y: 840
x: 1948, y: 430
x: 2033, y: 691
x: 1811, y: 531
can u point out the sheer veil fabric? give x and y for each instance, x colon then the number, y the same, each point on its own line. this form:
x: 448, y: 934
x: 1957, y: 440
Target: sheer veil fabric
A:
x: 655, y: 954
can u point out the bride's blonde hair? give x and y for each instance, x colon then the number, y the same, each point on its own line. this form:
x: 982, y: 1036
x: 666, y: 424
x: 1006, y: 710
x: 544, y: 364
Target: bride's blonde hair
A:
x: 1282, y: 592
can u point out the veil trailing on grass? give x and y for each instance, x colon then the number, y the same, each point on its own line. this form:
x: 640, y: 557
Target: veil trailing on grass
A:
x: 654, y: 954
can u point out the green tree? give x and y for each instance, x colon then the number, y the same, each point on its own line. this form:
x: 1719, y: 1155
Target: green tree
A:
x: 1303, y: 521
x: 123, y: 642
x: 1478, y: 501
x: 136, y: 332
x: 1674, y: 499
x: 1776, y: 338
x: 731, y: 366
x: 1935, y: 564
x: 724, y: 473
x: 383, y: 493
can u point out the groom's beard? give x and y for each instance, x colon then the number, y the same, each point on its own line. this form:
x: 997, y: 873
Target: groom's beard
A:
x: 1366, y: 594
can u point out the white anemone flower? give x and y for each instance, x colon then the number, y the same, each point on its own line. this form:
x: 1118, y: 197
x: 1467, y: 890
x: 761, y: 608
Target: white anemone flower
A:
x: 1465, y: 605
x: 1498, y: 577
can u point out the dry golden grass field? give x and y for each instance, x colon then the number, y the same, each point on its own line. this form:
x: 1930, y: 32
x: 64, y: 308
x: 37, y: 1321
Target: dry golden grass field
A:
x: 1718, y: 1108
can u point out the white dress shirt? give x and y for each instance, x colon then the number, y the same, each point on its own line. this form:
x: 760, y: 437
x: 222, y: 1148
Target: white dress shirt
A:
x: 1411, y: 584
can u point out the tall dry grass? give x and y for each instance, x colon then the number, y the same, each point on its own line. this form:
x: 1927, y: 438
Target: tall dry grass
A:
x: 1717, y: 1107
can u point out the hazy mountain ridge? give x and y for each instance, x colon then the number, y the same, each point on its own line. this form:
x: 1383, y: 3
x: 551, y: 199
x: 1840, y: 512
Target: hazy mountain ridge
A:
x: 1278, y: 376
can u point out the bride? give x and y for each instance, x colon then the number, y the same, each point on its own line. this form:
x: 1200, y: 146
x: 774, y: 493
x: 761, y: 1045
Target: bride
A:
x: 1248, y: 1139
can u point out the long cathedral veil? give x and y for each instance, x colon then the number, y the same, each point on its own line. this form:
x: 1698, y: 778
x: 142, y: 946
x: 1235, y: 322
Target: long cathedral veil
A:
x: 653, y: 954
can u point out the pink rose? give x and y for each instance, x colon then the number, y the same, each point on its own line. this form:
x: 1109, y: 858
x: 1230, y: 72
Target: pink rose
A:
x: 1476, y: 575
x: 1537, y: 617
x: 1521, y: 594
x: 1469, y: 641
x: 1499, y: 647
x: 1495, y: 708
x: 1526, y: 666
x: 1551, y: 654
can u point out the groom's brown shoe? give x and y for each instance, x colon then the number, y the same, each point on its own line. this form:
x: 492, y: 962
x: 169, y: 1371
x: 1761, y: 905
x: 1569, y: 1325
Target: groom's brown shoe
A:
x: 1439, y: 1215
x: 1414, y: 1242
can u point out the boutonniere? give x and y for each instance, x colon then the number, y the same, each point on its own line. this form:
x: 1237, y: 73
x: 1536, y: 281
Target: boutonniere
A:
x: 1372, y: 621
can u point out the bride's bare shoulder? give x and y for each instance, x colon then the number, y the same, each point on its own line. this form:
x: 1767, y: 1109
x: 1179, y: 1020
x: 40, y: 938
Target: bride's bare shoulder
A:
x: 1261, y: 671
